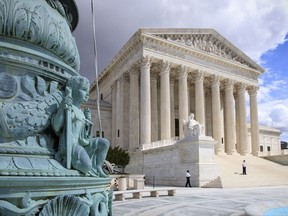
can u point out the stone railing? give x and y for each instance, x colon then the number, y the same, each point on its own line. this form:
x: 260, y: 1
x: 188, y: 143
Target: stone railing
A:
x: 160, y: 143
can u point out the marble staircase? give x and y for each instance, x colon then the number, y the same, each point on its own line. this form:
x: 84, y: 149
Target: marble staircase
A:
x: 260, y: 172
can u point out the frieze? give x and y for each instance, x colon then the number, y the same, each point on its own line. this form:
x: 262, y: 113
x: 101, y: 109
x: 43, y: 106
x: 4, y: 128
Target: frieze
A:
x: 189, y: 55
x: 206, y: 43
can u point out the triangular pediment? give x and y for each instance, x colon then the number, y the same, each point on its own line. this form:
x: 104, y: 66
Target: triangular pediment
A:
x: 204, y: 40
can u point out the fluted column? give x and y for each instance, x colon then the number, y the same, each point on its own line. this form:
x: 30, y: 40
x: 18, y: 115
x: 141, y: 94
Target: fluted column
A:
x: 230, y: 135
x: 252, y: 90
x: 165, y: 101
x: 242, y: 124
x: 200, y: 99
x: 154, y: 108
x: 172, y: 107
x: 216, y: 114
x: 183, y: 98
x: 134, y: 110
x: 113, y: 120
x: 145, y: 102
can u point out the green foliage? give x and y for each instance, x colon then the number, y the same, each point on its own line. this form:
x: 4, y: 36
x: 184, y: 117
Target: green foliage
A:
x: 118, y: 156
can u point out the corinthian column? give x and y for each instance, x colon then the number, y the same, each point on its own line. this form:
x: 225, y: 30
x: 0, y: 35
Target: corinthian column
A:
x: 252, y: 90
x: 134, y: 109
x: 145, y: 102
x: 113, y: 120
x: 200, y: 99
x: 172, y: 107
x: 230, y: 135
x: 242, y: 124
x: 154, y: 108
x: 183, y: 98
x: 165, y: 101
x: 216, y: 114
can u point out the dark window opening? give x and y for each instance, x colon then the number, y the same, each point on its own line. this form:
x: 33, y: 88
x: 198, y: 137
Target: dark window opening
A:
x: 118, y: 133
x: 177, y: 127
x: 101, y: 97
x: 268, y: 148
x: 261, y: 148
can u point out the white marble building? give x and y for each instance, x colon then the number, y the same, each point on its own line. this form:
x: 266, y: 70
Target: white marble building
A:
x: 160, y: 76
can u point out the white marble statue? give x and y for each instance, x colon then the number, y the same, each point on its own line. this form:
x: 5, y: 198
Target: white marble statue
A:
x: 191, y: 127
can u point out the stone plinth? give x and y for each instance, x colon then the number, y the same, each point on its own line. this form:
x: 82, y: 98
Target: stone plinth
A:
x: 168, y: 164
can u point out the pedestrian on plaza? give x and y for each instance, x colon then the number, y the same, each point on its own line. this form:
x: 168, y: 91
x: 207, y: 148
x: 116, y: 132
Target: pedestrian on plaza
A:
x: 244, y: 168
x: 188, y: 179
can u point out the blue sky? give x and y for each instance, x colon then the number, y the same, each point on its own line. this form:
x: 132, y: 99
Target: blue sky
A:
x: 258, y: 27
x: 273, y: 92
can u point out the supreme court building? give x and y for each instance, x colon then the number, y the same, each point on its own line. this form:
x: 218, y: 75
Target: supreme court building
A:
x: 160, y: 76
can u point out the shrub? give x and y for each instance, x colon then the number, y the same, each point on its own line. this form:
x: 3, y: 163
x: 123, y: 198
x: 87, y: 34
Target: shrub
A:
x: 118, y: 156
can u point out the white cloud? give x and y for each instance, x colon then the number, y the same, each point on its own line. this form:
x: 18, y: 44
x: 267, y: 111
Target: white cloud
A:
x: 254, y: 26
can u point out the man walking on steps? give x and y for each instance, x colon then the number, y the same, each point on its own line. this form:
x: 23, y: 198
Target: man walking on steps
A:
x: 188, y: 179
x: 244, y: 168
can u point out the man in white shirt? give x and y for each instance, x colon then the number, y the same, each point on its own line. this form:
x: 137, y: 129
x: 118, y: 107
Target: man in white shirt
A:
x: 188, y: 179
x: 244, y: 168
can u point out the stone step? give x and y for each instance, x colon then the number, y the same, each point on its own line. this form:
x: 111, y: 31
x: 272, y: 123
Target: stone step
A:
x: 260, y: 172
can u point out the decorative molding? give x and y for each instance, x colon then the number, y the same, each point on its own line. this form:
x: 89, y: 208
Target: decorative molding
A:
x: 228, y: 84
x: 252, y: 90
x: 188, y: 53
x: 39, y: 24
x: 207, y: 43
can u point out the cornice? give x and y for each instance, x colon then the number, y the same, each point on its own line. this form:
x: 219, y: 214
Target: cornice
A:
x: 178, y: 51
x: 147, y: 42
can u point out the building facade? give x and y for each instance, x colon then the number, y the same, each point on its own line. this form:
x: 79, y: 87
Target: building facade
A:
x: 160, y: 76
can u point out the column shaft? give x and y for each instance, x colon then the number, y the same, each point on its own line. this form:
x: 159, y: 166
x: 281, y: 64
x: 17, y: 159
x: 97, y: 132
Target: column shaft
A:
x: 230, y: 135
x: 200, y: 99
x: 145, y: 102
x: 154, y: 109
x: 165, y: 102
x: 183, y: 99
x: 254, y: 119
x: 216, y: 114
x: 172, y: 108
x: 242, y: 124
x: 113, y: 120
x: 134, y: 110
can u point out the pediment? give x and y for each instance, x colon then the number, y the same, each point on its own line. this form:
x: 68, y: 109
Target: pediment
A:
x: 205, y: 40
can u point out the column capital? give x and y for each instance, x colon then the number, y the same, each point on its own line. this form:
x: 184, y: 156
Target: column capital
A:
x: 154, y: 75
x: 199, y: 76
x: 183, y: 71
x: 165, y: 67
x: 228, y: 84
x: 172, y: 80
x: 146, y: 62
x: 114, y: 84
x: 252, y: 90
x: 133, y: 71
x: 240, y: 87
x: 215, y: 80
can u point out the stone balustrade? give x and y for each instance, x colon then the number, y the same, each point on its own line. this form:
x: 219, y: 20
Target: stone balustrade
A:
x: 160, y: 143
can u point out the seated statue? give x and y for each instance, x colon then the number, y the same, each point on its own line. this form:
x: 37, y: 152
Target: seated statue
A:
x: 76, y: 147
x: 191, y: 127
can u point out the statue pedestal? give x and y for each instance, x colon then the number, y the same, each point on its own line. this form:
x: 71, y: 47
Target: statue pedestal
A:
x: 201, y: 162
x: 167, y: 165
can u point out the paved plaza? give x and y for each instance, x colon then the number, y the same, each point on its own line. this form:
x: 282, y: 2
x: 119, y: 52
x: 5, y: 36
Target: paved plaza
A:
x: 200, y: 202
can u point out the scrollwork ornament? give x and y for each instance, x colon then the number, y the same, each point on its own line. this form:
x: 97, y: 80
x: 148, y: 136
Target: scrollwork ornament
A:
x: 252, y: 90
x: 146, y: 62
x: 37, y: 23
